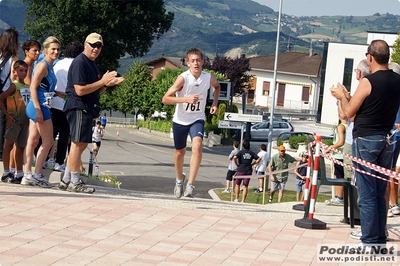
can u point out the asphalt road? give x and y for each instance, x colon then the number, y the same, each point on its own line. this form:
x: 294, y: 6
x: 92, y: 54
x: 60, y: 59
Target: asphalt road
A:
x: 144, y: 162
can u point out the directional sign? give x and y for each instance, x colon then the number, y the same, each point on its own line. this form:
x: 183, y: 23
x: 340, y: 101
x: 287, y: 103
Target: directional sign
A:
x: 229, y: 124
x: 242, y: 117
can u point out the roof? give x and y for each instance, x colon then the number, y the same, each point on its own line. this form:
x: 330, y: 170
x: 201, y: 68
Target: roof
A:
x: 176, y: 61
x: 290, y: 62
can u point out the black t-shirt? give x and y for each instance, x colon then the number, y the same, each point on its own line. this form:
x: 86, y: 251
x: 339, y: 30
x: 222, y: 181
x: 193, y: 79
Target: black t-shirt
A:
x: 82, y: 71
x: 244, y: 159
x: 377, y: 113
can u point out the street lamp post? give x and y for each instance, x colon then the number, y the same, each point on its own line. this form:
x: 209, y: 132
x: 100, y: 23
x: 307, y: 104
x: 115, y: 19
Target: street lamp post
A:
x: 271, y: 118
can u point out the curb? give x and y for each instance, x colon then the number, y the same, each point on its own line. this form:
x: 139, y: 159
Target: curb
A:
x: 213, y: 195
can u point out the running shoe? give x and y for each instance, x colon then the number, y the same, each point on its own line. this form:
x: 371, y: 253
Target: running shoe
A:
x: 178, y: 190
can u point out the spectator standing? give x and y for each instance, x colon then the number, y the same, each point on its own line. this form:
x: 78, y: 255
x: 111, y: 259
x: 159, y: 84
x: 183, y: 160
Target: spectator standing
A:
x: 60, y: 122
x: 231, y: 167
x: 189, y: 93
x: 41, y: 88
x: 301, y: 172
x: 279, y: 161
x: 244, y: 159
x: 374, y: 104
x: 82, y: 106
x: 32, y: 51
x: 340, y: 135
x: 9, y: 46
x: 16, y: 96
x: 261, y: 166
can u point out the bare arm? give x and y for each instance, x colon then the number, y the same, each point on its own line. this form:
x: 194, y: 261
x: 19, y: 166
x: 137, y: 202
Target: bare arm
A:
x: 214, y: 82
x: 108, y: 79
x: 3, y: 96
x: 352, y: 105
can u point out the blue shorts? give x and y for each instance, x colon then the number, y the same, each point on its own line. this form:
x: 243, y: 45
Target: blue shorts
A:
x: 181, y: 132
x: 31, y: 112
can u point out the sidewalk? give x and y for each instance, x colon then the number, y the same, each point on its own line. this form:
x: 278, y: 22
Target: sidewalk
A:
x: 120, y: 227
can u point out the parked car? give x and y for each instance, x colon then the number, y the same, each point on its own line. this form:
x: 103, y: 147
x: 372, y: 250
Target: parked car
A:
x: 259, y: 131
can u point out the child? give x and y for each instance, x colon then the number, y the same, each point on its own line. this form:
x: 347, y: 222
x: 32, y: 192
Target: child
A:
x: 17, y: 96
x: 301, y: 176
x: 262, y: 166
x: 340, y: 133
x: 244, y: 161
x: 232, y: 167
x: 97, y: 134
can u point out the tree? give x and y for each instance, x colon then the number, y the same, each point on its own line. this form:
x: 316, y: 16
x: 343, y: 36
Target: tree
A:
x: 234, y: 69
x: 127, y: 27
x: 134, y: 91
x: 396, y: 50
x: 165, y: 79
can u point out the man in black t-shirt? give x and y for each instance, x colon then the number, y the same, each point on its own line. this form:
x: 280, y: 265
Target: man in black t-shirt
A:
x: 374, y: 104
x: 83, y: 91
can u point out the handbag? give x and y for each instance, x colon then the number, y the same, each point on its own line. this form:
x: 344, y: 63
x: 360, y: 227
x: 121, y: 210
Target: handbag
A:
x: 2, y: 64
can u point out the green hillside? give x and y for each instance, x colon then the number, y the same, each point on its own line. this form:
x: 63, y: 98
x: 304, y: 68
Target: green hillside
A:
x: 243, y: 26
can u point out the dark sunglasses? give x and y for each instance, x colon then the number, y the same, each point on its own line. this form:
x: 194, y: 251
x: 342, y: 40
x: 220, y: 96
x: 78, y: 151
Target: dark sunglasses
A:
x: 96, y: 45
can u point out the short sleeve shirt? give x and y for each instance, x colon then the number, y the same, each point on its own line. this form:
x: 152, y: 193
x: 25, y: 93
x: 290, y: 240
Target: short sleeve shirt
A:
x: 277, y: 163
x: 82, y: 71
x: 244, y: 159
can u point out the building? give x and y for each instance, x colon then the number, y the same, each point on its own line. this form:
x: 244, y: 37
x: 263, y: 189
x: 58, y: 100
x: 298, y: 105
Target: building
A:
x: 163, y: 62
x: 297, y: 82
x: 340, y: 60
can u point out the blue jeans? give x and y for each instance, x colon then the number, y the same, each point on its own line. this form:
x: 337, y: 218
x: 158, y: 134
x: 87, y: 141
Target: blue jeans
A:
x: 371, y: 190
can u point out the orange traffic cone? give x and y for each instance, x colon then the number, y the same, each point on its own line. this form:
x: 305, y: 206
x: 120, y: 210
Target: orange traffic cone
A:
x: 117, y: 134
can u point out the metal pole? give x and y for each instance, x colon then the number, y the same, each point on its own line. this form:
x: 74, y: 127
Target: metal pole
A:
x: 90, y: 170
x: 271, y: 118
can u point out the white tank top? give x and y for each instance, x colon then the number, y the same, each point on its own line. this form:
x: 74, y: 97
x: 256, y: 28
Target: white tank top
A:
x: 187, y: 113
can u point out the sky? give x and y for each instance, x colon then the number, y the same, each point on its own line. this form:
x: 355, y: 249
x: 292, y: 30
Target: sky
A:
x: 334, y: 7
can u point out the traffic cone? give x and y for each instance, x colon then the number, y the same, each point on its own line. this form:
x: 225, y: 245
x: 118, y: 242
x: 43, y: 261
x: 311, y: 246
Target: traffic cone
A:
x: 117, y: 134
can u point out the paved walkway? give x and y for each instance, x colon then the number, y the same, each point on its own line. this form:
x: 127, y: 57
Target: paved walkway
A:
x: 119, y: 227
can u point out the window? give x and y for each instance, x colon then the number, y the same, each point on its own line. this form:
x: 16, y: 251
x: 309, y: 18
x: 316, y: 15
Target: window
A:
x: 305, y: 95
x: 266, y: 85
x: 347, y: 72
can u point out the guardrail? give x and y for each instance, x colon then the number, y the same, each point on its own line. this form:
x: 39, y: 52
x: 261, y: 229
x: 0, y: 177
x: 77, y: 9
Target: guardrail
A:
x: 121, y: 120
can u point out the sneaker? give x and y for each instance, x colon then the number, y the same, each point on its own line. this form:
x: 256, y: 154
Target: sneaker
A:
x: 189, y: 191
x: 6, y: 178
x: 26, y: 180
x: 59, y: 167
x: 226, y: 191
x: 356, y: 234
x: 178, y: 190
x: 236, y: 200
x: 390, y: 213
x: 63, y: 186
x: 80, y: 187
x: 15, y: 180
x: 49, y: 164
x: 39, y: 180
x: 334, y: 201
x: 395, y: 209
x: 258, y: 190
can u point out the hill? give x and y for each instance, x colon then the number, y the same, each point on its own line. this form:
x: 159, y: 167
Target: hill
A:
x: 238, y: 27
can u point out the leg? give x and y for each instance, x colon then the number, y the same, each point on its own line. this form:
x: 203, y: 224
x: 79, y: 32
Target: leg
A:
x: 179, y: 157
x: 280, y: 195
x: 195, y: 160
x: 33, y: 140
x: 246, y: 182
x: 74, y: 158
x: 45, y: 130
x: 95, y: 149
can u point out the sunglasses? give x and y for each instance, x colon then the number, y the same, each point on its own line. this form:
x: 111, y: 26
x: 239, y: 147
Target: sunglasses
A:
x: 96, y: 45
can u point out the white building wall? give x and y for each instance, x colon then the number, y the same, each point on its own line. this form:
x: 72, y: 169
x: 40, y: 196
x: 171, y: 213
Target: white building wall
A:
x: 337, y: 53
x: 293, y: 92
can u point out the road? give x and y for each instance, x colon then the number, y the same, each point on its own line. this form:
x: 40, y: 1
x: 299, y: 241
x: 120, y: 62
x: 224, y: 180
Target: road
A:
x: 144, y: 162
